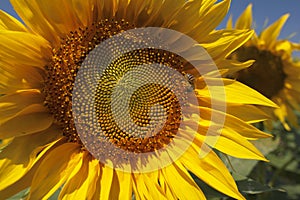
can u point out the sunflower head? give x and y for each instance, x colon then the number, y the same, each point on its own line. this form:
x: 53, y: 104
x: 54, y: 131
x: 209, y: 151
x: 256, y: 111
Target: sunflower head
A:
x: 274, y: 73
x: 106, y: 99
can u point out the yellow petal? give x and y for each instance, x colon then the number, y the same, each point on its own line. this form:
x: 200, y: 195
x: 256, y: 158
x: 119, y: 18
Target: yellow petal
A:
x: 235, y: 92
x: 19, y: 185
x: 53, y: 172
x: 8, y: 22
x: 168, y: 10
x: 291, y: 117
x: 221, y: 44
x: 211, y: 170
x: 111, y: 7
x: 146, y: 13
x: 146, y: 187
x: 106, y: 178
x: 245, y: 20
x: 270, y: 34
x: 149, y: 13
x: 82, y: 185
x: 24, y: 48
x: 233, y: 66
x: 31, y: 119
x: 84, y: 11
x: 121, y: 187
x: 229, y: 24
x: 17, y: 77
x: 281, y: 113
x: 284, y: 47
x: 96, y: 194
x: 290, y: 98
x: 10, y: 83
x: 200, y: 14
x: 61, y: 14
x: 292, y: 71
x: 228, y: 141
x: 14, y: 103
x: 34, y: 18
x: 181, y: 182
x: 206, y: 6
x: 210, y: 21
x: 293, y: 84
x: 248, y: 113
x: 231, y: 122
x: 165, y: 187
x: 295, y: 98
x: 21, y: 154
x: 4, y: 143
x: 189, y: 10
x: 25, y: 181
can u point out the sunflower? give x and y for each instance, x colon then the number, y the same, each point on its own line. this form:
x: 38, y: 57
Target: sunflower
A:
x: 47, y: 145
x: 274, y: 73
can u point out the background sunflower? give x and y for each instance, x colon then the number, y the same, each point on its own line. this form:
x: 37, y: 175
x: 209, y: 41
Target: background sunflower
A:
x: 282, y: 172
x: 281, y: 82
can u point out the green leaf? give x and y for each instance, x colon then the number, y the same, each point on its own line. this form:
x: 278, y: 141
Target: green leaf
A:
x: 55, y: 195
x: 21, y: 195
x: 279, y: 161
x: 250, y: 186
x: 293, y: 191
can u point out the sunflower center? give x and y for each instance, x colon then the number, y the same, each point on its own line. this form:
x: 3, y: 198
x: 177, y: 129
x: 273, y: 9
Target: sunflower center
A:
x: 266, y: 75
x: 148, y: 102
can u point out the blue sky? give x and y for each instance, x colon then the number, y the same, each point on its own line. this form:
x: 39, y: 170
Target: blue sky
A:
x: 270, y: 10
x: 263, y: 10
